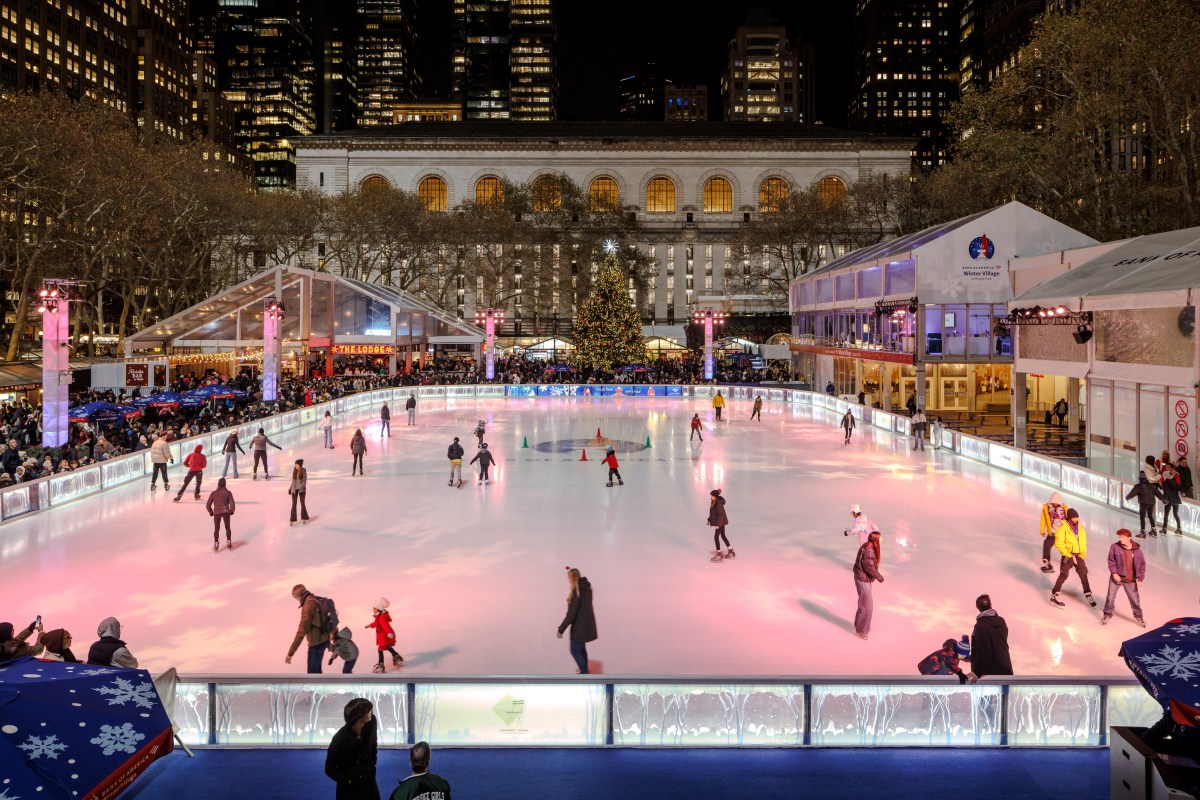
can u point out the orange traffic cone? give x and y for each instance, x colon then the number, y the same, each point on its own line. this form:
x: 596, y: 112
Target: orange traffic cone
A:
x: 584, y: 458
x: 598, y: 436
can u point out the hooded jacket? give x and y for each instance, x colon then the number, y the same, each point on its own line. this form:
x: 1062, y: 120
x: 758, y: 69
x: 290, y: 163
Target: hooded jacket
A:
x: 385, y: 634
x: 1116, y: 562
x: 484, y: 457
x: 196, y: 462
x: 160, y: 451
x: 989, y: 645
x: 1145, y: 491
x: 580, y: 618
x: 455, y: 452
x: 358, y: 444
x: 110, y: 651
x: 14, y: 646
x: 716, y: 513
x: 343, y: 647
x: 53, y: 642
x: 1069, y: 542
x: 1053, y: 513
x: 220, y: 501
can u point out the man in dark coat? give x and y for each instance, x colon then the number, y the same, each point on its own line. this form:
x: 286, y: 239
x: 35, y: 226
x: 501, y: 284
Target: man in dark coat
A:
x: 422, y: 783
x: 989, y: 642
x: 580, y: 618
x: 353, y: 752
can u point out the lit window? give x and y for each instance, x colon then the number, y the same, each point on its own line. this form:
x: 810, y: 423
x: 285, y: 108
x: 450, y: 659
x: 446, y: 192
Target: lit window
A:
x: 547, y: 194
x: 431, y: 191
x: 831, y: 190
x: 660, y: 196
x: 372, y: 183
x: 718, y: 196
x: 603, y: 195
x: 771, y: 194
x: 489, y: 192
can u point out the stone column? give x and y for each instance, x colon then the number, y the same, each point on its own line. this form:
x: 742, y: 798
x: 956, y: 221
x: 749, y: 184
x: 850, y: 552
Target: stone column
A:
x: 1018, y: 408
x: 1072, y: 405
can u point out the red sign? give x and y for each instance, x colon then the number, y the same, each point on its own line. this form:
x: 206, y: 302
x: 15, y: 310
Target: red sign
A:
x: 137, y: 375
x: 849, y: 352
x: 318, y: 342
x: 1182, y: 428
x: 1181, y: 408
x: 362, y: 349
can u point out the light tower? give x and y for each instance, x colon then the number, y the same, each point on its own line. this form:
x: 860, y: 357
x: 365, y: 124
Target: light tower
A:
x: 54, y: 304
x: 488, y: 318
x: 273, y: 314
x: 708, y: 318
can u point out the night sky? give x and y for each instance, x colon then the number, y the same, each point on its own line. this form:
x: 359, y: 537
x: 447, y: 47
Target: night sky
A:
x: 601, y: 42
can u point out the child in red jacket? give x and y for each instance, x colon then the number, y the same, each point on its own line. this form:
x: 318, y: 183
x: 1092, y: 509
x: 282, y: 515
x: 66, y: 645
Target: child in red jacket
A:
x: 195, y: 462
x: 610, y: 459
x: 385, y: 635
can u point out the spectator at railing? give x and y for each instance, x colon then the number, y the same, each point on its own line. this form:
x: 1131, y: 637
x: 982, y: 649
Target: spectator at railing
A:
x: 14, y: 646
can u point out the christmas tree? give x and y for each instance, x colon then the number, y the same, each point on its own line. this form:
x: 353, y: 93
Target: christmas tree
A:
x: 608, y: 332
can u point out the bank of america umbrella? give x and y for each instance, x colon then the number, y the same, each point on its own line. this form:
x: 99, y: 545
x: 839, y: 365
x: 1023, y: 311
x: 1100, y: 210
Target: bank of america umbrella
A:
x: 169, y: 400
x: 101, y: 412
x: 559, y: 368
x: 1167, y: 662
x: 215, y: 391
x: 75, y: 731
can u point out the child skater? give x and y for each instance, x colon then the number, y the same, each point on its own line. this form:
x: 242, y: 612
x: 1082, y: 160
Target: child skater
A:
x: 343, y: 647
x: 385, y: 635
x: 611, y: 461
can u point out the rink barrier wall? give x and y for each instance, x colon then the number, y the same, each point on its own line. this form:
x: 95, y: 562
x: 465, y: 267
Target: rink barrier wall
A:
x: 633, y: 711
x: 26, y: 498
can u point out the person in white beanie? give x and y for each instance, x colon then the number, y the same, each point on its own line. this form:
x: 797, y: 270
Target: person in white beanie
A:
x: 385, y: 634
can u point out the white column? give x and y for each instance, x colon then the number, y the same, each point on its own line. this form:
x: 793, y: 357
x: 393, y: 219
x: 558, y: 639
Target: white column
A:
x: 56, y: 375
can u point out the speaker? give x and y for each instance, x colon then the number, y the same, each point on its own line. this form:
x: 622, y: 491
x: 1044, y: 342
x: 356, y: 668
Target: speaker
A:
x: 1082, y: 335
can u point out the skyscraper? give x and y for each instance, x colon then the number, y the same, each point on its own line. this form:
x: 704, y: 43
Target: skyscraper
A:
x: 504, y: 63
x: 685, y: 103
x: 641, y: 94
x: 385, y: 58
x: 335, y: 23
x: 906, y: 72
x: 767, y: 79
x: 161, y: 89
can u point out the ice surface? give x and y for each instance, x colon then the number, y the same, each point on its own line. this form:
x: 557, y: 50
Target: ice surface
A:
x: 475, y: 575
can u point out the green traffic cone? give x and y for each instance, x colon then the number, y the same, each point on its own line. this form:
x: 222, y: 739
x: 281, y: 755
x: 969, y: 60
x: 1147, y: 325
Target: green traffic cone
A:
x: 647, y: 442
x: 525, y: 443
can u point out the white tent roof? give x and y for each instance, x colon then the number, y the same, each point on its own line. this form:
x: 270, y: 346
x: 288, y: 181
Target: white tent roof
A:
x: 552, y: 344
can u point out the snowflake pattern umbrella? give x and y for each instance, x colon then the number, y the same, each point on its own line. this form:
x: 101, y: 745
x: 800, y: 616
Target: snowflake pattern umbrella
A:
x: 75, y: 731
x: 1167, y: 662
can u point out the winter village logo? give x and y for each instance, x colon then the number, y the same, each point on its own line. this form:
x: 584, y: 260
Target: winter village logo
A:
x: 981, y: 248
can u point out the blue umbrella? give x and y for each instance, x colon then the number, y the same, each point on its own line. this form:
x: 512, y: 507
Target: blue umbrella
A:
x: 169, y: 399
x: 101, y: 412
x: 75, y: 730
x: 215, y: 391
x: 1167, y: 662
x: 559, y: 368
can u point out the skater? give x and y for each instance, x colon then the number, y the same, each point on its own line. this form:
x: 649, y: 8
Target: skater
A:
x: 935, y: 433
x: 455, y: 453
x: 298, y: 489
x: 1060, y: 410
x: 943, y: 662
x: 1171, y: 497
x: 258, y: 445
x: 989, y: 642
x: 848, y: 425
x: 717, y: 518
x: 1054, y: 513
x: 327, y: 429
x: 353, y: 753
x: 611, y: 460
x: 160, y: 456
x: 919, y: 422
x: 580, y: 618
x: 757, y: 412
x: 385, y: 634
x: 696, y: 425
x: 342, y: 646
x: 410, y: 405
x: 220, y: 507
x: 1145, y: 492
x: 309, y: 629
x: 862, y: 526
x: 718, y: 403
x: 866, y: 572
x: 480, y: 429
x: 231, y: 448
x: 195, y: 462
x: 1070, y: 539
x: 385, y: 422
x: 358, y: 448
x: 485, y: 459
x: 1127, y: 566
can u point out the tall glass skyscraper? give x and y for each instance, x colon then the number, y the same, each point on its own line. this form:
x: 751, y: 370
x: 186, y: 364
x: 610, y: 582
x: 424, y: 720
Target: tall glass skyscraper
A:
x: 504, y: 59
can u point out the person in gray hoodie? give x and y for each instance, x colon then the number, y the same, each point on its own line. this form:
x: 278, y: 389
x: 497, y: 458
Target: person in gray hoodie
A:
x: 258, y: 445
x: 109, y: 650
x: 341, y: 646
x: 221, y: 507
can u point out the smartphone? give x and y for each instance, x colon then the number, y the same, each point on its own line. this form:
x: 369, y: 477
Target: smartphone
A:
x: 37, y: 623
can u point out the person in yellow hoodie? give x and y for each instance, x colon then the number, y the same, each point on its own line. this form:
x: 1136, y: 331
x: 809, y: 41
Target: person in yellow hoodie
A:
x: 718, y: 402
x: 1070, y: 539
x: 1054, y: 513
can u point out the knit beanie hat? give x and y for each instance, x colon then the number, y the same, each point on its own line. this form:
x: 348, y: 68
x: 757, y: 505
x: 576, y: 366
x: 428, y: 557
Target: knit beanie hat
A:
x: 382, y: 604
x: 963, y: 646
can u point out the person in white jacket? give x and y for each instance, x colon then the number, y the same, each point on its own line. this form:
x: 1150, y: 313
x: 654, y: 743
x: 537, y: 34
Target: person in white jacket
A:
x: 862, y: 526
x: 327, y: 427
x: 160, y: 456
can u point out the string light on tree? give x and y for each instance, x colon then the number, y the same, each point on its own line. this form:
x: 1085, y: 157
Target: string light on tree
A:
x: 608, y: 332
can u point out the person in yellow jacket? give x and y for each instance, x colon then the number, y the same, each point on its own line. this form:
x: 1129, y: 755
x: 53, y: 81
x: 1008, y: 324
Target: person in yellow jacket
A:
x: 718, y: 404
x: 1070, y: 539
x: 1054, y: 513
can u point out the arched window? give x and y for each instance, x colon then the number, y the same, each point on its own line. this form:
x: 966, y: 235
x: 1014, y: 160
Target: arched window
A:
x: 718, y: 195
x: 771, y: 194
x: 431, y: 191
x: 603, y: 195
x: 373, y: 183
x: 489, y: 192
x: 547, y: 193
x: 831, y: 190
x: 660, y: 196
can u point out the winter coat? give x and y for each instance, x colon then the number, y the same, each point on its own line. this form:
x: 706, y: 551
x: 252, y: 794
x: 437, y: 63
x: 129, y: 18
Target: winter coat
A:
x: 160, y: 451
x: 848, y: 421
x: 220, y: 502
x: 310, y: 624
x: 866, y: 565
x: 299, y: 484
x: 53, y: 642
x: 385, y: 634
x: 1185, y: 479
x: 343, y: 646
x: 109, y: 650
x: 611, y: 461
x: 484, y: 457
x: 384, y: 413
x: 233, y: 445
x: 940, y: 662
x: 1116, y: 562
x: 14, y: 646
x: 719, y: 401
x: 580, y: 618
x: 350, y: 762
x: 919, y: 421
x: 1171, y: 492
x: 989, y: 645
x: 1053, y: 514
x: 195, y: 461
x: 455, y: 452
x: 1069, y: 542
x: 410, y: 403
x: 260, y: 442
x: 716, y: 513
x: 1152, y: 473
x: 695, y: 423
x: 10, y: 460
x: 358, y: 444
x: 1145, y: 492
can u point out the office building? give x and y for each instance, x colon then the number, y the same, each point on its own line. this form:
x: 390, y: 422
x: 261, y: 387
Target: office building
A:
x: 385, y: 58
x: 767, y: 78
x: 428, y: 109
x: 504, y: 65
x: 337, y: 96
x: 640, y: 95
x: 161, y: 87
x: 685, y: 103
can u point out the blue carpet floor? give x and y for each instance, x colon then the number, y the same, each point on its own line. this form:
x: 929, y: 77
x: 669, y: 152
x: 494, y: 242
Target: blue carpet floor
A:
x: 825, y: 774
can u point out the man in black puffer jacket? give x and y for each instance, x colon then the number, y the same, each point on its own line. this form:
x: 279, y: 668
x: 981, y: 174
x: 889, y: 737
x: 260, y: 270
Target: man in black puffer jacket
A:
x: 455, y: 453
x: 1146, y: 493
x: 989, y: 642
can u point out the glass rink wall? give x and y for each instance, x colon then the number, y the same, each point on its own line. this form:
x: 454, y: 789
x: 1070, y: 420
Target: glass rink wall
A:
x: 661, y: 712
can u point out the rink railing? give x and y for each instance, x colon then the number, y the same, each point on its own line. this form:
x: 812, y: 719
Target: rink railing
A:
x: 633, y: 711
x: 86, y: 481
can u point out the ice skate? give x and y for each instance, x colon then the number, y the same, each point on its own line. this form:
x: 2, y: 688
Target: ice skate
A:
x: 1046, y: 567
x: 1140, y: 621
x: 397, y: 660
x: 304, y: 521
x: 730, y: 554
x: 216, y: 547
x: 291, y: 523
x: 1153, y: 532
x: 620, y: 482
x: 1091, y: 600
x: 197, y: 495
x: 450, y: 483
x: 153, y: 487
x: 178, y: 497
x: 862, y: 636
x: 1178, y: 531
x: 255, y: 476
x: 488, y: 482
x: 1054, y: 601
x: 1104, y: 620
x: 460, y: 483
x: 1141, y: 535
x: 718, y: 558
x: 608, y: 484
x: 229, y: 544
x: 378, y: 668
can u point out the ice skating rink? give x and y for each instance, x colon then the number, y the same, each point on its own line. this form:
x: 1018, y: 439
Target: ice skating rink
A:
x: 476, y: 575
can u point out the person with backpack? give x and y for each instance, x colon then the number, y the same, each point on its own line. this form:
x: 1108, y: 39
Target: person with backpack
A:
x: 195, y: 462
x: 231, y: 449
x: 385, y: 634
x: 318, y: 619
x: 943, y: 662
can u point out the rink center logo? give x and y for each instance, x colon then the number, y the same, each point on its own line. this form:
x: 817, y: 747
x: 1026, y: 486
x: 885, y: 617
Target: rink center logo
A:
x: 576, y: 445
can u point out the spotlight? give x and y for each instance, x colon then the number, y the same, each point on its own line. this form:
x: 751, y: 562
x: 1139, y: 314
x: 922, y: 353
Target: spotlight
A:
x: 1061, y: 311
x: 1082, y: 335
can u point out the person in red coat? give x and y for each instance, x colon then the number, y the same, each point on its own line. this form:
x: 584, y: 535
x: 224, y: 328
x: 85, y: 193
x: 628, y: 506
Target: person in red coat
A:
x: 195, y: 462
x: 610, y: 459
x: 385, y: 634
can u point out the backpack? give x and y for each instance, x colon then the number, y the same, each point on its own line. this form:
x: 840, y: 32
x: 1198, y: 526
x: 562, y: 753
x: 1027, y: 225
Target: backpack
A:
x: 329, y: 615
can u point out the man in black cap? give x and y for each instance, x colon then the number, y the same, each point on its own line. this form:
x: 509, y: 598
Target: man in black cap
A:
x: 1070, y: 539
